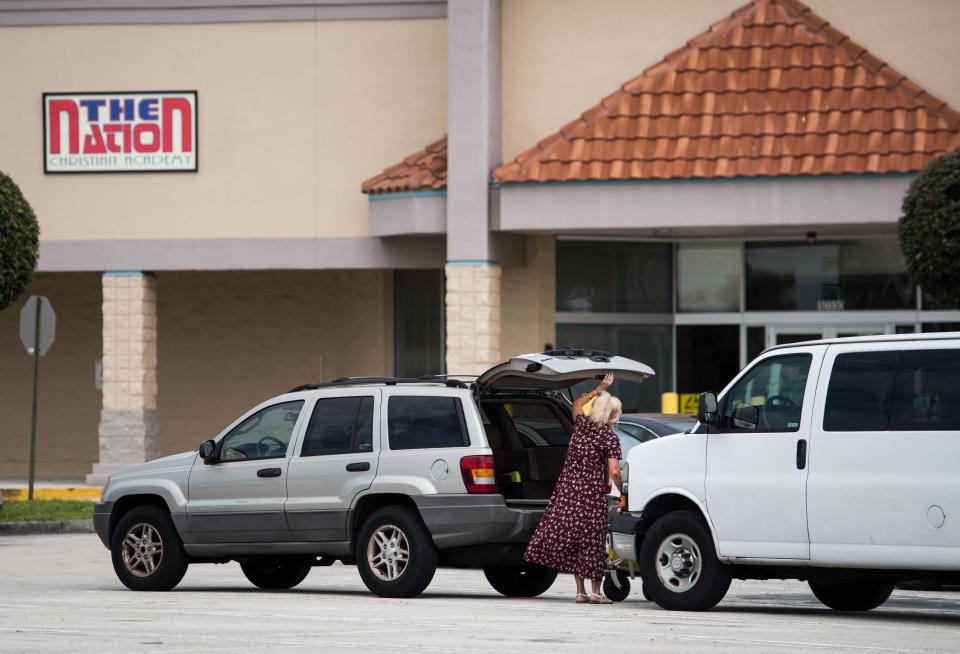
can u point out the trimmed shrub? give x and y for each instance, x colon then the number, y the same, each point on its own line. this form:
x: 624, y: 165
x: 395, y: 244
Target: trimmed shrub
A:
x: 19, y: 242
x: 929, y: 229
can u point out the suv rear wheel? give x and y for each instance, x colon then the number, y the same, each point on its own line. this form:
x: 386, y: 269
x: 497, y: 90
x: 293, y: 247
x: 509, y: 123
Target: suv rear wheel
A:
x: 275, y: 575
x: 528, y: 580
x: 146, y: 550
x: 851, y: 596
x: 679, y: 564
x: 395, y: 554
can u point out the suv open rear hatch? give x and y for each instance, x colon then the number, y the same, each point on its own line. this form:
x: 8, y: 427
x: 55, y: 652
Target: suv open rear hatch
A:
x: 560, y: 369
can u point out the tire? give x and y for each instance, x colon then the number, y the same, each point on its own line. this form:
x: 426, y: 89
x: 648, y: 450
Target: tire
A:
x: 679, y: 565
x: 528, y: 580
x: 851, y: 596
x: 271, y: 575
x: 396, y: 576
x: 610, y: 589
x: 920, y: 585
x: 146, y: 550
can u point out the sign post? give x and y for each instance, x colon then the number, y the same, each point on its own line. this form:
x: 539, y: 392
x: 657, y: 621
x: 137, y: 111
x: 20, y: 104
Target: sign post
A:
x: 38, y: 324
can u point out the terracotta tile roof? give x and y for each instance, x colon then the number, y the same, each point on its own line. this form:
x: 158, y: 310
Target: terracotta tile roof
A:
x: 771, y: 90
x: 425, y: 170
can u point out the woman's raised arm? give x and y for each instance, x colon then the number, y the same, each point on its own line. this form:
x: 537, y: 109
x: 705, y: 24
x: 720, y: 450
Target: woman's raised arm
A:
x: 586, y: 397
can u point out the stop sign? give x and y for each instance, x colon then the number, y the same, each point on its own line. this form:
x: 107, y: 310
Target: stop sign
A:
x: 28, y: 324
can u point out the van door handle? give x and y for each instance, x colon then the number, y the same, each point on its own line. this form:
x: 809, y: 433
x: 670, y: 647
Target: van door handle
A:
x: 358, y: 467
x: 801, y: 454
x: 268, y: 472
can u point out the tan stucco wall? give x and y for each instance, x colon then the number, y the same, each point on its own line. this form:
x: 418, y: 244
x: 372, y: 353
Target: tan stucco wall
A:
x: 69, y: 403
x: 228, y: 341
x: 528, y: 298
x: 561, y: 57
x: 292, y: 118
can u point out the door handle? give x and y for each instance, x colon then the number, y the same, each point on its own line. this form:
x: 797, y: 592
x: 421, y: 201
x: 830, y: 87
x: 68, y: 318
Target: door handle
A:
x: 268, y: 472
x: 801, y: 454
x: 358, y: 467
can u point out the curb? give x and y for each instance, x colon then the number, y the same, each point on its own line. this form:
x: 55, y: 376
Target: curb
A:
x: 32, y: 527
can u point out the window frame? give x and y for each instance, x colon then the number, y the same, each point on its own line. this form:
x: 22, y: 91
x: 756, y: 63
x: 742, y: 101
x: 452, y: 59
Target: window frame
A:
x: 814, y: 361
x: 356, y: 418
x: 461, y: 417
x: 294, y: 432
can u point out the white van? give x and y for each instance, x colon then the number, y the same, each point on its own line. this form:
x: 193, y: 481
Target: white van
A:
x: 835, y: 462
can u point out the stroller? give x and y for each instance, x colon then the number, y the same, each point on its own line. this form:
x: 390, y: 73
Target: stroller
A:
x: 616, y: 579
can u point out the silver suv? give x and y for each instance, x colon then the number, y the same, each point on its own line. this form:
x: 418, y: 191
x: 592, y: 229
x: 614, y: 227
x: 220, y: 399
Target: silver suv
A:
x: 396, y: 476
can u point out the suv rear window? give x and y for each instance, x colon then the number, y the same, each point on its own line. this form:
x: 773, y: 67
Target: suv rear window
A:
x: 910, y: 390
x: 416, y: 422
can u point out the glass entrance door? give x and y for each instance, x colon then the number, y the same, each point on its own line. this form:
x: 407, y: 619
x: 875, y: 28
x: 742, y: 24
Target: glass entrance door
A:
x: 786, y: 334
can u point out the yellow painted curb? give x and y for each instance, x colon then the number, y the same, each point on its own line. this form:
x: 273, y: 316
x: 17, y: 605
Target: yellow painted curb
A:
x: 53, y: 493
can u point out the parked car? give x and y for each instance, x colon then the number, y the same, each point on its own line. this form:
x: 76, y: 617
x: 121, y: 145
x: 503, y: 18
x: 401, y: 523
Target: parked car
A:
x: 829, y: 461
x: 647, y: 426
x: 397, y: 476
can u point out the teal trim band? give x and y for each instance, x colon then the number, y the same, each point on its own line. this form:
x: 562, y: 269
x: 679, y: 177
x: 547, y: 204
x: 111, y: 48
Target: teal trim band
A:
x: 376, y: 197
x: 698, y: 180
x: 124, y: 273
x: 473, y: 262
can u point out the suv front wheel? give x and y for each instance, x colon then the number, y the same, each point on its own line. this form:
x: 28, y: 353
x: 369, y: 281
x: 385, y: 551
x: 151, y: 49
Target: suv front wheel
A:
x: 274, y: 575
x: 146, y: 550
x: 851, y: 596
x: 679, y: 564
x: 395, y: 554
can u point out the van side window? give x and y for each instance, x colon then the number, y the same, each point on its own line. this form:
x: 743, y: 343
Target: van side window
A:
x: 775, y: 388
x: 860, y: 391
x: 417, y: 422
x: 340, y: 425
x: 926, y: 396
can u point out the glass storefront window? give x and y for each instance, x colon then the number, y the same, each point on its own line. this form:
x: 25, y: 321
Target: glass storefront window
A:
x: 826, y: 276
x: 614, y: 276
x: 708, y: 277
x: 651, y: 344
x: 418, y: 316
x: 708, y: 357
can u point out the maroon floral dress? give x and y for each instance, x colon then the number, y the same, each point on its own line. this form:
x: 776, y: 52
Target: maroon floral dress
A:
x: 571, y: 536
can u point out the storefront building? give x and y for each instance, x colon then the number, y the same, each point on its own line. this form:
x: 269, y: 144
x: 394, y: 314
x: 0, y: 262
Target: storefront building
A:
x: 734, y: 193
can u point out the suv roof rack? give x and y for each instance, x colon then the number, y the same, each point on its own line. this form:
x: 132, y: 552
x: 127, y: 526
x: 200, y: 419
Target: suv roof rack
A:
x: 387, y: 381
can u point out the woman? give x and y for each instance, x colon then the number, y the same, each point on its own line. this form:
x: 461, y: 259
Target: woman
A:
x: 571, y: 536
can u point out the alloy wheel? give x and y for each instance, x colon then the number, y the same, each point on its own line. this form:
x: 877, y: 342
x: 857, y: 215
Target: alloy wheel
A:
x: 142, y: 549
x: 388, y: 552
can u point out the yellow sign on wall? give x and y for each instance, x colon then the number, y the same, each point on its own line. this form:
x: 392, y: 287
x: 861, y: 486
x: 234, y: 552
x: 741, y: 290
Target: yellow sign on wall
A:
x: 689, y: 403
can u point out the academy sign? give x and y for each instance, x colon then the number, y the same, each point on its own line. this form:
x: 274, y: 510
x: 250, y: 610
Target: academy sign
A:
x: 120, y: 132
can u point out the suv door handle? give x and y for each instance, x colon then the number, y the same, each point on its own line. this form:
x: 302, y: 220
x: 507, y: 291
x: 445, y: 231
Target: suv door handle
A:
x: 268, y: 472
x: 801, y: 454
x: 358, y: 467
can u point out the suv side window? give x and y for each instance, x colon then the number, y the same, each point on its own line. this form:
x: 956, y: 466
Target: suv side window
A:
x: 926, y: 396
x: 860, y: 391
x: 264, y: 435
x: 418, y: 422
x: 339, y: 425
x: 775, y: 386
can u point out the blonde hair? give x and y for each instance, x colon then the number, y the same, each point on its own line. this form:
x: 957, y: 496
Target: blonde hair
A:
x: 605, y: 407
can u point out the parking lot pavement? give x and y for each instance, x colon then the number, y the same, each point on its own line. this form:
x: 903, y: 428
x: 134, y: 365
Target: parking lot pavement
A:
x: 60, y: 594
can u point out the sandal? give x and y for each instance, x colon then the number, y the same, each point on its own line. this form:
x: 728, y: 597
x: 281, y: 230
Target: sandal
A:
x: 581, y: 598
x: 597, y: 598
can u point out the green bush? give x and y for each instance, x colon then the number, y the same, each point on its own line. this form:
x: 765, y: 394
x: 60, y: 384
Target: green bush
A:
x: 929, y: 229
x: 19, y: 242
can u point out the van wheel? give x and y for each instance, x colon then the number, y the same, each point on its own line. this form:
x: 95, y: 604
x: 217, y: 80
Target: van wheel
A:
x: 146, y: 550
x: 679, y: 565
x: 851, y: 596
x: 395, y: 554
x: 271, y: 575
x: 528, y: 580
x: 610, y: 589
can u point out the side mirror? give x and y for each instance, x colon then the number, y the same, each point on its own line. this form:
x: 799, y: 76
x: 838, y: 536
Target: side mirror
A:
x: 746, y: 417
x: 707, y: 409
x: 208, y: 452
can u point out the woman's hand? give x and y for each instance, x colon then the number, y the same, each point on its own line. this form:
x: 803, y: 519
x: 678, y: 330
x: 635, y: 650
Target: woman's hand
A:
x: 606, y: 383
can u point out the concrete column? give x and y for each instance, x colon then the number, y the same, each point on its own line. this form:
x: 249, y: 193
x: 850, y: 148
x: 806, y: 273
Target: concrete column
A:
x: 473, y: 114
x: 128, y: 432
x: 473, y: 318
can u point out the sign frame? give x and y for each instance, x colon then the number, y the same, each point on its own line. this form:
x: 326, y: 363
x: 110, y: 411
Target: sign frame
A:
x: 196, y: 132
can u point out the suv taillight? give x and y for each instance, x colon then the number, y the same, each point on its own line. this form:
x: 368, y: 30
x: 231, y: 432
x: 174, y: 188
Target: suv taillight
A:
x: 478, y: 474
